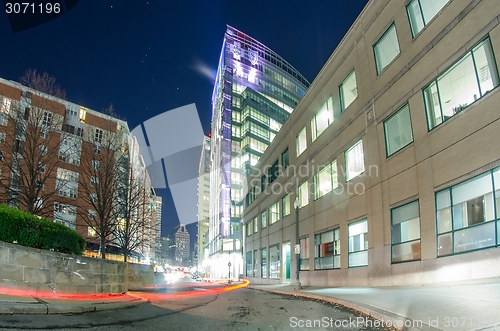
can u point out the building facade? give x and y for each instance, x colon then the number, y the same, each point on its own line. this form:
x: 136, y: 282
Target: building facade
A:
x: 181, y: 239
x: 203, y: 205
x: 255, y: 91
x: 391, y: 167
x: 53, y: 156
x: 158, y: 243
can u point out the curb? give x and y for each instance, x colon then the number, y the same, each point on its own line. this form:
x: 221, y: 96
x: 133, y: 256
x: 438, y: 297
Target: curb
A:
x: 44, y: 308
x: 396, y: 321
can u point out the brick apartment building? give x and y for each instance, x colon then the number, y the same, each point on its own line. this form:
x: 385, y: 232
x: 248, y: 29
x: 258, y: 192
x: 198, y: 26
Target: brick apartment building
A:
x: 58, y: 160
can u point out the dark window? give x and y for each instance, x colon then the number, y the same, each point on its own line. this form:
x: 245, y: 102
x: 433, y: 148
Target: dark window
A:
x: 285, y: 161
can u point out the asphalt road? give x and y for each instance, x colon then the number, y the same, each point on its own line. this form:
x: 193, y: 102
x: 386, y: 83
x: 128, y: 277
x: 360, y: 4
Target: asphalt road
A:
x: 243, y: 309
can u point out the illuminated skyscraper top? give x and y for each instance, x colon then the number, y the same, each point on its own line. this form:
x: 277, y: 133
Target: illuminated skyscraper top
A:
x: 255, y: 91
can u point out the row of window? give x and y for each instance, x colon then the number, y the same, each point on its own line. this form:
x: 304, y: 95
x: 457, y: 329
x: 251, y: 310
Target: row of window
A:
x: 324, y: 181
x: 467, y: 219
x: 470, y: 78
x: 269, y: 266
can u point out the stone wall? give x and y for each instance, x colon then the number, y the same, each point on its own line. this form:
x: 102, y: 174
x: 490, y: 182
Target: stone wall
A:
x: 40, y: 271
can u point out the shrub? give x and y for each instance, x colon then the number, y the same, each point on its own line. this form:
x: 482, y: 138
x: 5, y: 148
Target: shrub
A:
x: 29, y: 230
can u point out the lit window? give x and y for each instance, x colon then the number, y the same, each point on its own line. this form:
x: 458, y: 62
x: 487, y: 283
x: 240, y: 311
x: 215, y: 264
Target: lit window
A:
x: 236, y: 132
x: 83, y: 114
x: 322, y: 119
x: 5, y: 107
x: 304, y: 254
x: 255, y: 225
x: 301, y: 142
x: 386, y: 48
x: 249, y: 228
x: 355, y: 162
x: 47, y: 119
x: 65, y: 214
x: 274, y: 215
x: 405, y: 232
x: 263, y: 263
x: 421, y: 12
x: 303, y: 194
x: 398, y: 133
x: 469, y: 79
x: 274, y: 262
x: 274, y: 125
x: 67, y: 183
x: 348, y: 91
x: 249, y: 264
x: 91, y: 232
x: 285, y: 205
x: 255, y: 265
x: 466, y: 215
x: 325, y: 180
x: 327, y: 250
x: 358, y: 244
x: 263, y: 219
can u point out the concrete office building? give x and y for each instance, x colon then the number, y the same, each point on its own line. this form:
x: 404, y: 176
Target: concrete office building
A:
x: 254, y: 93
x: 391, y: 156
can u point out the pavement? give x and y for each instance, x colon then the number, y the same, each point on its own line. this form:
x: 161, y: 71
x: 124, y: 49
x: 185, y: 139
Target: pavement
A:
x: 466, y: 305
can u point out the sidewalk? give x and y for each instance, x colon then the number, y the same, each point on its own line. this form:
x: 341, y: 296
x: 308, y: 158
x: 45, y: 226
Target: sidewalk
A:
x: 467, y: 305
x: 16, y: 304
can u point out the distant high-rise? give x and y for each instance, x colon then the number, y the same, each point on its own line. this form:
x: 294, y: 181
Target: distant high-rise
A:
x: 255, y: 91
x: 182, y: 242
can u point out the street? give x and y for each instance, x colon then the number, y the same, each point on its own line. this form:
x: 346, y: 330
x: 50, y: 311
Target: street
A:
x: 183, y: 308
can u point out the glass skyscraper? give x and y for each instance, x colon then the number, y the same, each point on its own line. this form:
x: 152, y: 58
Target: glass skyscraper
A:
x: 255, y: 91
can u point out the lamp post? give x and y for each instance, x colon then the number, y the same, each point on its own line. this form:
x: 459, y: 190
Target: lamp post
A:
x: 297, y: 286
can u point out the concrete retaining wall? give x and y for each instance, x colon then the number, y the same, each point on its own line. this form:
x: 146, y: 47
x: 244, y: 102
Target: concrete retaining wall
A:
x: 36, y: 271
x: 140, y: 276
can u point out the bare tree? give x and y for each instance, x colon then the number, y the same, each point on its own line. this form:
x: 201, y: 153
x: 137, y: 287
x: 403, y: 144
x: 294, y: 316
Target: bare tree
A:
x: 31, y: 143
x: 136, y: 213
x: 103, y: 151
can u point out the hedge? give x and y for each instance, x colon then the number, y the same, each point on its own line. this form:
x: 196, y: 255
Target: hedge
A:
x: 29, y: 230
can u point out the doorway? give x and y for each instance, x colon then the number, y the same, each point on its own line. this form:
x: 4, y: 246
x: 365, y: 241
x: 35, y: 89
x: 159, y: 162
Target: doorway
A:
x: 286, y: 262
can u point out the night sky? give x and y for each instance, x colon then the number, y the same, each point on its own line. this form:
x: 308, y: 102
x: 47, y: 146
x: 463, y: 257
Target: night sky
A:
x: 147, y: 57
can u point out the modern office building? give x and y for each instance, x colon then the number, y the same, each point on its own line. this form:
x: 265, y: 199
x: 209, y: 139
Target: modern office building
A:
x: 255, y: 91
x: 203, y: 203
x: 54, y: 154
x: 390, y: 162
x: 181, y: 238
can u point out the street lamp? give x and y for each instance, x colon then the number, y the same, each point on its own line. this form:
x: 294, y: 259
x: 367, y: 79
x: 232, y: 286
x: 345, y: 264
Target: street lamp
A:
x: 298, y: 286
